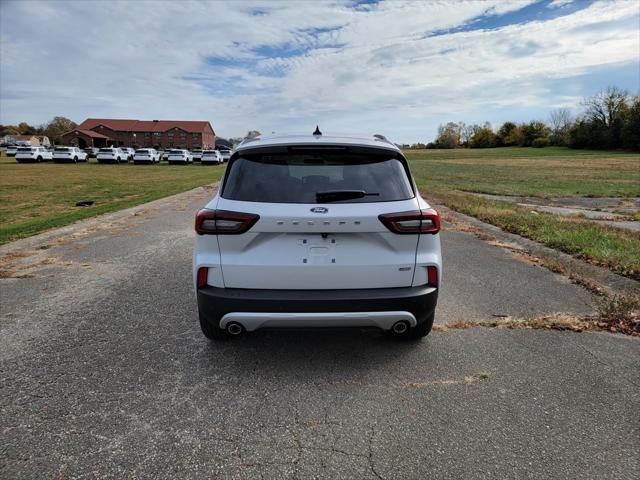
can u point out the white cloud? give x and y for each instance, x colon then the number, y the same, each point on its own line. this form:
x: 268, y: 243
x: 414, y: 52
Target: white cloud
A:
x: 280, y: 65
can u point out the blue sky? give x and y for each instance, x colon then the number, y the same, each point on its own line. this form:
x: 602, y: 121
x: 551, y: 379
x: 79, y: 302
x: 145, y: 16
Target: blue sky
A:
x: 394, y: 67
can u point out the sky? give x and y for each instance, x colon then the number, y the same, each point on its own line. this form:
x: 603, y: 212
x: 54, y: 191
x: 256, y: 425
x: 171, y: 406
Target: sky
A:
x: 399, y: 68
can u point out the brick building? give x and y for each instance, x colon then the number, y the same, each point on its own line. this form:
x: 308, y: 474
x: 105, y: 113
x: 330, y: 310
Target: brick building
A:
x: 162, y: 134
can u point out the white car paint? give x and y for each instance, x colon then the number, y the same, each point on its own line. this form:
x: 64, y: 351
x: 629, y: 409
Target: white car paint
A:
x: 111, y: 154
x: 196, y: 154
x: 69, y: 154
x: 33, y: 154
x: 211, y: 156
x: 146, y: 155
x: 129, y: 152
x: 226, y: 154
x: 11, y: 151
x: 179, y: 156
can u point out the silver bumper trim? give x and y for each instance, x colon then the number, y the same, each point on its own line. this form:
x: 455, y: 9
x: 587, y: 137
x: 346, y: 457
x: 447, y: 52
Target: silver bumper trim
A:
x: 255, y: 320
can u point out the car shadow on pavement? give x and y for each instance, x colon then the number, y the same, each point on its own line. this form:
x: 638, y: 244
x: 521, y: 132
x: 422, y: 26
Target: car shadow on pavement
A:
x: 289, y: 352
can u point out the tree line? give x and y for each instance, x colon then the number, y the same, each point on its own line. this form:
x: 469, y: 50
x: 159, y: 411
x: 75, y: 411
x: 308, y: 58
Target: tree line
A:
x: 53, y: 129
x: 610, y: 120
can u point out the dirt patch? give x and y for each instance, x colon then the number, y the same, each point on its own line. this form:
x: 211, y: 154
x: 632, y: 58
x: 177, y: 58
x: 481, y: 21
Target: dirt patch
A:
x: 625, y: 319
x: 27, y: 263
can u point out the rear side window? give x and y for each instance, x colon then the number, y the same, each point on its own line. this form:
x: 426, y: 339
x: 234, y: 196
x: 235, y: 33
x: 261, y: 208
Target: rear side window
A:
x: 298, y: 178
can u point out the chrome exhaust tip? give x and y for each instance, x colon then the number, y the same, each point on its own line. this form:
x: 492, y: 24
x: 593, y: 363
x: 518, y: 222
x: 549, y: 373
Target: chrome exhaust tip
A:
x: 235, y: 329
x: 400, y: 328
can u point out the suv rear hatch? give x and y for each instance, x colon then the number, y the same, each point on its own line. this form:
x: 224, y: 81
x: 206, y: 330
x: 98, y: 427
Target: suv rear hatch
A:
x: 319, y: 225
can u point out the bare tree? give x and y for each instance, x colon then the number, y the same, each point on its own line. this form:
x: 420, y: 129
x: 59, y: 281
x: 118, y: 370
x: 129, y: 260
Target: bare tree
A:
x: 560, y: 121
x: 252, y: 134
x: 607, y: 106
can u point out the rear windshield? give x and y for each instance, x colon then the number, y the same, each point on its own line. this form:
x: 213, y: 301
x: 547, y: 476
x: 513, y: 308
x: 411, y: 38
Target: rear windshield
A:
x: 106, y: 150
x: 61, y: 149
x: 208, y: 152
x: 25, y: 149
x: 298, y: 178
x: 143, y: 151
x: 175, y: 152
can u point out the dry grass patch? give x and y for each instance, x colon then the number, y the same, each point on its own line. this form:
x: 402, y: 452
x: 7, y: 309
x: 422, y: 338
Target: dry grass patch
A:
x: 616, y: 314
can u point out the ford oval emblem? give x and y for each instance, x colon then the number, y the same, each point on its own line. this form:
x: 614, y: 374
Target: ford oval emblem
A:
x: 319, y: 210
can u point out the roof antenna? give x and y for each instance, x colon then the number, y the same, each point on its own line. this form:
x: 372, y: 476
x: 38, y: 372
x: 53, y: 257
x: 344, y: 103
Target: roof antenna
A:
x: 317, y: 132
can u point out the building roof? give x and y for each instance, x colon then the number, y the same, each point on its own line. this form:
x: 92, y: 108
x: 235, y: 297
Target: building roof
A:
x: 377, y: 141
x: 91, y: 133
x: 123, y: 125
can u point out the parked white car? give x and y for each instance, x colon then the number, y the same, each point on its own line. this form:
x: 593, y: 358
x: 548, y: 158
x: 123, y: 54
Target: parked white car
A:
x: 146, y: 155
x: 111, y: 155
x: 33, y: 154
x: 196, y: 153
x: 69, y: 154
x: 226, y: 154
x: 129, y: 152
x: 315, y: 231
x: 211, y: 157
x: 179, y: 156
x: 11, y: 151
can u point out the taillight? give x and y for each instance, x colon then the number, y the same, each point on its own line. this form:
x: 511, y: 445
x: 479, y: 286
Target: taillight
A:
x: 222, y: 222
x: 418, y: 221
x: 203, y: 274
x: 432, y: 275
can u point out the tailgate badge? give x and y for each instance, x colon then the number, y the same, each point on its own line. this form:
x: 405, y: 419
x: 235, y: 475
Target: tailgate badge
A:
x: 319, y: 210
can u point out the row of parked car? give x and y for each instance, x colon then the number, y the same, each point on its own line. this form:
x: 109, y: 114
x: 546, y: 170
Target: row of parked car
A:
x: 119, y: 155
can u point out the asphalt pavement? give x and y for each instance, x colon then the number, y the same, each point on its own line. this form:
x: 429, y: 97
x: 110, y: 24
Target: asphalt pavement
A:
x: 104, y: 373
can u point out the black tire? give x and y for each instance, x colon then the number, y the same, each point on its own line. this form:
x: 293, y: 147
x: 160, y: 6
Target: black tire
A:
x: 421, y: 330
x: 39, y: 159
x: 213, y: 332
x: 75, y: 159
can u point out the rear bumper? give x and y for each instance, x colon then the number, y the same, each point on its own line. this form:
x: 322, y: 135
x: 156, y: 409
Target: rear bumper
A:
x: 254, y: 309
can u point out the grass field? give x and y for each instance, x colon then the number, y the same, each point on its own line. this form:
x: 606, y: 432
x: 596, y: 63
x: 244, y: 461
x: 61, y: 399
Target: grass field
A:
x: 36, y: 197
x: 552, y: 171
x: 444, y: 176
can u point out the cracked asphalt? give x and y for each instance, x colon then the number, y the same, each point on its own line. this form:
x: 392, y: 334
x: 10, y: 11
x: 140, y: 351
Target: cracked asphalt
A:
x: 104, y: 373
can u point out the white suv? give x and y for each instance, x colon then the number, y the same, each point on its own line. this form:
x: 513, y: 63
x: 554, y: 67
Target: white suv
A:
x: 112, y: 155
x: 33, y: 154
x: 317, y: 231
x: 211, y: 157
x: 179, y: 157
x: 146, y: 155
x: 69, y: 154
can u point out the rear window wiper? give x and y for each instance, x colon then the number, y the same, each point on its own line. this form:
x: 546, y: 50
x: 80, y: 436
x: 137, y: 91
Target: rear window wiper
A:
x: 337, y: 195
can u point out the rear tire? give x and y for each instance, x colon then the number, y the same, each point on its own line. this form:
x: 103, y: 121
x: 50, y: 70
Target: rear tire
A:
x: 421, y: 330
x: 213, y: 332
x: 75, y: 159
x: 39, y: 159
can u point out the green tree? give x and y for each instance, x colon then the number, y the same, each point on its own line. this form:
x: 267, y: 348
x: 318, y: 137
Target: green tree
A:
x: 448, y: 135
x: 630, y: 134
x: 532, y: 130
x: 508, y: 135
x: 58, y: 127
x: 483, y: 137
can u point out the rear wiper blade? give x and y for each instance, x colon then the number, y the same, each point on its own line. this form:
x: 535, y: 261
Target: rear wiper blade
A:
x: 337, y: 195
